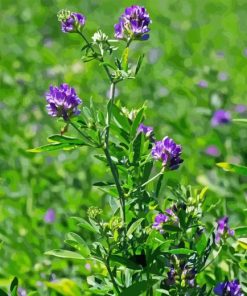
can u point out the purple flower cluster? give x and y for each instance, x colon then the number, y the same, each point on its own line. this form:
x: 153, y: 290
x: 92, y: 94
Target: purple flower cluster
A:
x: 160, y: 219
x: 168, y: 152
x: 223, y: 229
x: 232, y: 288
x: 146, y: 130
x: 221, y: 117
x: 62, y: 101
x: 133, y: 24
x: 71, y: 22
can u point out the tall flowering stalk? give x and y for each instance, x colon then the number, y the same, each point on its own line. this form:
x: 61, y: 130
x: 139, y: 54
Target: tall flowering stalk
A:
x: 153, y: 238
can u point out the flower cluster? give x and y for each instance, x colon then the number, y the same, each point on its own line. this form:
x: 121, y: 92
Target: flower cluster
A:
x: 71, y: 22
x: 62, y: 101
x: 232, y: 288
x: 221, y: 117
x: 133, y: 24
x: 168, y: 152
x: 160, y: 219
x: 223, y: 229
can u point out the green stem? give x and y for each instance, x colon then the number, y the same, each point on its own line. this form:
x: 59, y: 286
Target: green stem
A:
x: 113, y: 167
x: 152, y: 179
x: 107, y: 264
x: 86, y: 138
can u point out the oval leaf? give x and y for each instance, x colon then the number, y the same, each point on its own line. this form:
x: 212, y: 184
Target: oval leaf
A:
x: 65, y: 254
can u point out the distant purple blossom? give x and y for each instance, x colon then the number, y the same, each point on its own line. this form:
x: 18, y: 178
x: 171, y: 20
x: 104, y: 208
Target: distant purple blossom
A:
x: 202, y: 84
x: 71, y: 22
x: 241, y: 108
x: 88, y: 266
x: 232, y: 288
x: 212, y: 150
x: 62, y: 101
x: 146, y: 130
x: 21, y: 292
x: 50, y: 216
x: 223, y: 229
x: 133, y: 24
x: 245, y: 52
x: 221, y: 116
x: 168, y: 152
x: 223, y: 76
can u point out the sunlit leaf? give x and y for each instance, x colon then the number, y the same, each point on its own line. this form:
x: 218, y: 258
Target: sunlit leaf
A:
x: 64, y: 254
x: 234, y: 168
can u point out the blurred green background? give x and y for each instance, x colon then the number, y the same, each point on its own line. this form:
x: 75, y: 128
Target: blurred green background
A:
x: 191, y: 41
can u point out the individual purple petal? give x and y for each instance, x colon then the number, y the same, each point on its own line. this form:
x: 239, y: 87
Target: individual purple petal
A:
x: 50, y: 216
x: 133, y: 24
x: 62, y: 101
x: 221, y: 117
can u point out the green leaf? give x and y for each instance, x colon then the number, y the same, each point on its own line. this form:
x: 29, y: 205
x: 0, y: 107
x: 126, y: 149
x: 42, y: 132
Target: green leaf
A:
x: 137, y: 288
x: 64, y: 139
x: 125, y: 58
x: 3, y: 293
x: 14, y: 292
x: 243, y: 265
x: 162, y: 291
x: 242, y: 230
x: 234, y: 168
x: 137, y: 121
x: 64, y: 287
x: 77, y: 242
x: 14, y: 284
x: 201, y: 244
x: 181, y: 251
x: 65, y: 254
x: 53, y: 147
x: 240, y: 120
x: 243, y: 242
x: 126, y: 262
x: 134, y: 226
x: 139, y: 63
x: 84, y: 224
x: 120, y: 118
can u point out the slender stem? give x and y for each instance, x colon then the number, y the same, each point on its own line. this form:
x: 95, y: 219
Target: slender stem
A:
x: 107, y: 153
x: 210, y: 262
x: 81, y: 133
x: 85, y: 39
x: 152, y: 179
x: 112, y: 276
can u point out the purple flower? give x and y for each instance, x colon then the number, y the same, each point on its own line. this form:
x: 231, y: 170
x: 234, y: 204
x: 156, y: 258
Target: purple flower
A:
x: 88, y: 266
x: 71, y: 22
x: 212, y: 151
x: 223, y: 229
x: 133, y: 24
x: 202, y: 84
x: 146, y: 130
x: 232, y: 288
x: 50, y: 216
x: 221, y: 117
x: 159, y: 220
x: 62, y: 101
x: 241, y: 108
x: 168, y: 152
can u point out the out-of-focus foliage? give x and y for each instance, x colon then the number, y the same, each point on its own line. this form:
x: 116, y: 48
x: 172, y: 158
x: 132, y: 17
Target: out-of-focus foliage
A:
x: 190, y: 43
